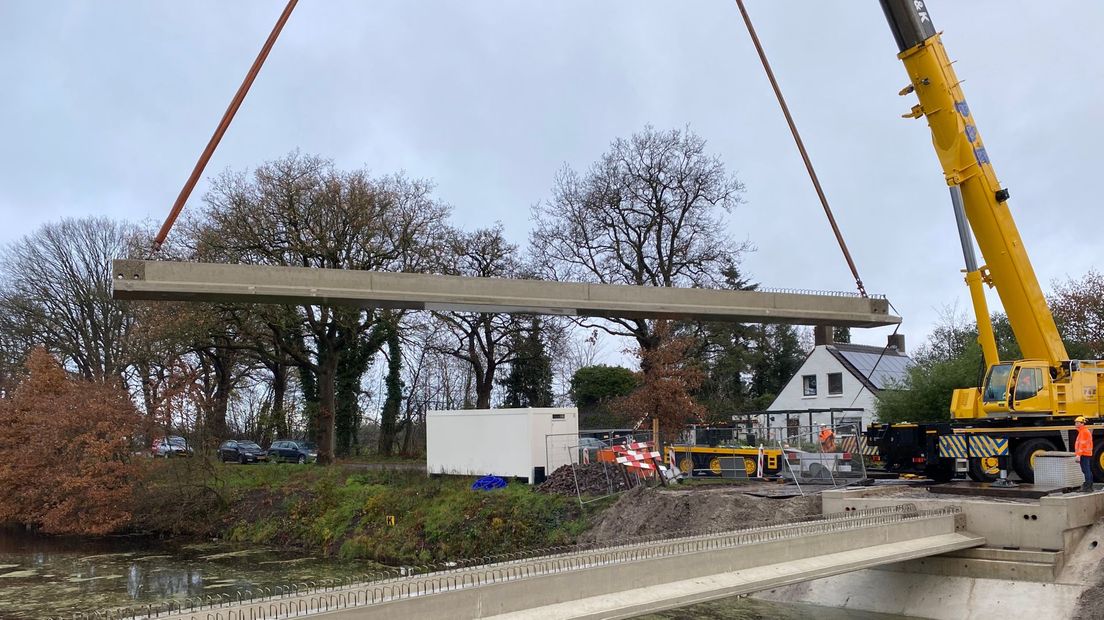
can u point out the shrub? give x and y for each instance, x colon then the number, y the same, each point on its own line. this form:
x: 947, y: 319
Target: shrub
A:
x: 66, y: 463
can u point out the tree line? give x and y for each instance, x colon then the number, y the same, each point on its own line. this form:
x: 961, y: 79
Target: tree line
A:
x: 654, y: 210
x: 951, y: 358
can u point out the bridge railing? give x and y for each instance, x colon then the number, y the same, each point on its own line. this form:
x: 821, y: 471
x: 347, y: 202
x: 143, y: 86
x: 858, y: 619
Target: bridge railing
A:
x: 297, y: 600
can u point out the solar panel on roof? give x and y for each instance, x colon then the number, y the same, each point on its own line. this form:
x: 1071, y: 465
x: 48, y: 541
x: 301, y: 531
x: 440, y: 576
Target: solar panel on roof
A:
x: 882, y: 370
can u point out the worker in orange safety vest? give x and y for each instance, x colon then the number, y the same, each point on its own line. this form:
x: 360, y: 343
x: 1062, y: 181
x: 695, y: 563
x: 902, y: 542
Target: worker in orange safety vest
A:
x: 1083, y: 448
x: 827, y: 439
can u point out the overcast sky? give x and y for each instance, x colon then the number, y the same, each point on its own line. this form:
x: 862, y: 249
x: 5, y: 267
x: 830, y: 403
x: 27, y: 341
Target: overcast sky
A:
x: 106, y: 105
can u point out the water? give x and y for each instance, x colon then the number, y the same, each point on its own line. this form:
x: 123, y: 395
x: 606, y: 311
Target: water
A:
x: 42, y: 577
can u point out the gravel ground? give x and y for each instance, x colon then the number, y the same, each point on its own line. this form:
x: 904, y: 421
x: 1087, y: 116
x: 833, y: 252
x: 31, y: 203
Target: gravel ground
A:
x: 651, y: 511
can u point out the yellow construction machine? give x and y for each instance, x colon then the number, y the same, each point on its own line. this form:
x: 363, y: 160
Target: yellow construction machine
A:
x: 1023, y: 407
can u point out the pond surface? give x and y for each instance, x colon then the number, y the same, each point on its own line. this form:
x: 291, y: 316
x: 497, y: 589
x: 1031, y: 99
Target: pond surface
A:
x: 42, y: 577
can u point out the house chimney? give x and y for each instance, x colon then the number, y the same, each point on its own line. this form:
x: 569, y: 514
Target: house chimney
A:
x: 897, y: 341
x: 822, y: 334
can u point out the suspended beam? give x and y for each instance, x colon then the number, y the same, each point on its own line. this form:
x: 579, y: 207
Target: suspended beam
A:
x: 209, y: 282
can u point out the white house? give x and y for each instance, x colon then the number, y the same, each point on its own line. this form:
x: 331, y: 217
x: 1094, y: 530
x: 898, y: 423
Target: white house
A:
x: 842, y: 377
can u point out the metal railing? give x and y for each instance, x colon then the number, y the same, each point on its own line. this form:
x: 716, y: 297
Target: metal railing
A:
x: 296, y: 600
x: 809, y: 291
x: 833, y: 462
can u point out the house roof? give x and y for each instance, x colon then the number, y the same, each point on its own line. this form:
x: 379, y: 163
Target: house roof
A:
x: 876, y: 367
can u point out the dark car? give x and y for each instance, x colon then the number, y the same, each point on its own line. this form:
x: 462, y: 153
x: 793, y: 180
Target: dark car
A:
x: 242, y: 451
x: 171, y: 446
x: 292, y: 452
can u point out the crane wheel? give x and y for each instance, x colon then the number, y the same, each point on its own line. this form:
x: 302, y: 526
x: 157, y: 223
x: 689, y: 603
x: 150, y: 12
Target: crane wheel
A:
x: 1023, y: 457
x: 1098, y: 461
x: 984, y: 469
x: 686, y: 466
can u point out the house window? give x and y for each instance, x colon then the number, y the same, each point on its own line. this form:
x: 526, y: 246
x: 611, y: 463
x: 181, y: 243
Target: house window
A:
x: 835, y: 383
x: 808, y: 385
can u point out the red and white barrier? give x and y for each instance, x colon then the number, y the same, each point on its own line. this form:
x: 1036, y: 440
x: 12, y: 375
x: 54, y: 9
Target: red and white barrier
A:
x: 639, y: 455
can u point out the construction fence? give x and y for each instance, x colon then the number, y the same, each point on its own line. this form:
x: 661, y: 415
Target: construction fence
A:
x: 809, y: 458
x: 602, y: 463
x: 818, y: 455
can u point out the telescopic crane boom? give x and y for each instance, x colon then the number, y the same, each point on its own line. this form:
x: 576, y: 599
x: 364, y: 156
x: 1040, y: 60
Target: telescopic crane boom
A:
x: 1046, y: 381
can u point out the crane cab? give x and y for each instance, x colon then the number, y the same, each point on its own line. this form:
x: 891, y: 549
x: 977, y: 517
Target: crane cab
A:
x: 1018, y: 388
x: 1033, y: 388
x: 1024, y: 387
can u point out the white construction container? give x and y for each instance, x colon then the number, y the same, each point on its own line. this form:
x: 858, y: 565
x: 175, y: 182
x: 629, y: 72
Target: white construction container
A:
x: 511, y: 443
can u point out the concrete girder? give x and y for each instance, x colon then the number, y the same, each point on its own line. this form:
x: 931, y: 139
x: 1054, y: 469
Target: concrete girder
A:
x: 210, y: 282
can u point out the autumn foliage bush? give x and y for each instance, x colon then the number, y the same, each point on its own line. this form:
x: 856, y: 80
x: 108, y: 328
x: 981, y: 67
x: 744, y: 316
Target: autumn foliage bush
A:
x: 664, y: 385
x: 66, y: 462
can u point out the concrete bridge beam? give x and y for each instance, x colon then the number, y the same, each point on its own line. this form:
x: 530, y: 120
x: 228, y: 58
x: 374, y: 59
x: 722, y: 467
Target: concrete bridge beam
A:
x: 209, y: 282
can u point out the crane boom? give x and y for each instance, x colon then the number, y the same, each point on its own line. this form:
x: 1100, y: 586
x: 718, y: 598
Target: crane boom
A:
x: 966, y: 165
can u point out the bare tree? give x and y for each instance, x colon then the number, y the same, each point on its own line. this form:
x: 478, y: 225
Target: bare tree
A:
x: 300, y: 211
x: 55, y: 291
x: 481, y: 339
x: 574, y: 349
x: 649, y: 212
x: 15, y: 345
x: 1078, y: 307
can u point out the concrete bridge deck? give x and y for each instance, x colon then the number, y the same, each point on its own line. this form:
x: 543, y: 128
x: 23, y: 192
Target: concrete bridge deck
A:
x: 630, y: 579
x: 178, y: 281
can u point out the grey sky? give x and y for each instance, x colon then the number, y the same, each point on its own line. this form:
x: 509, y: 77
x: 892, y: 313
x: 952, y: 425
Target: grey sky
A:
x: 107, y: 104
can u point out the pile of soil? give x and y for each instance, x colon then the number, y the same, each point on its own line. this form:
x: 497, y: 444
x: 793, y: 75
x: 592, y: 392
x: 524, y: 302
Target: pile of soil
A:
x: 647, y: 512
x: 593, y: 479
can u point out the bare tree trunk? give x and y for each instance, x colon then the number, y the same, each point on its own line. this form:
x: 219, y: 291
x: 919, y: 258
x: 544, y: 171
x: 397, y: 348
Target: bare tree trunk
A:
x: 408, y: 429
x: 483, y: 388
x: 224, y: 384
x: 279, y: 425
x: 327, y: 372
x: 389, y: 416
x: 468, y: 374
x: 408, y: 437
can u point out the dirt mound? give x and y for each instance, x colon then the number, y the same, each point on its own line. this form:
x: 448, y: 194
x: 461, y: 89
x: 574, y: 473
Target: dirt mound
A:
x: 647, y: 512
x: 593, y: 479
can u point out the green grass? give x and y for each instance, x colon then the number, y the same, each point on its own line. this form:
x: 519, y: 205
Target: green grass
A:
x: 391, y: 516
x: 377, y: 458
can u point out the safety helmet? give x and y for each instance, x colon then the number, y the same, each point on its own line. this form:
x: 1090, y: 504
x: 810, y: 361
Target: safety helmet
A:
x: 1080, y: 419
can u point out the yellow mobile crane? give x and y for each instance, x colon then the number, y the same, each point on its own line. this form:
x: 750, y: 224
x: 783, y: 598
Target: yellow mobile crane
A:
x: 1023, y: 407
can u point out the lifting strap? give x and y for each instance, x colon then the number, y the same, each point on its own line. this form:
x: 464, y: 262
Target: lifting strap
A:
x: 801, y: 149
x: 227, y: 116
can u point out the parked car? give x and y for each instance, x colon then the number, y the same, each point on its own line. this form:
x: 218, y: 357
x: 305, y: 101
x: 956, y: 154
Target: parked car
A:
x: 588, y: 449
x: 172, y: 445
x: 242, y: 451
x: 292, y: 452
